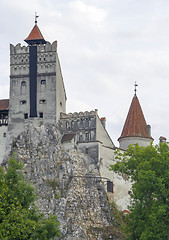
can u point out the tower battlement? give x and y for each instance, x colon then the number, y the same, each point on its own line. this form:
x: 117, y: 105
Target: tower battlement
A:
x: 78, y: 115
x: 36, y: 83
x: 18, y: 49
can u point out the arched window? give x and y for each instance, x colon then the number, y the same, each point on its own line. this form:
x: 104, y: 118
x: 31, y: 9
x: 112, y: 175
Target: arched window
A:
x: 81, y: 122
x: 43, y: 81
x: 23, y: 83
x: 86, y: 122
x: 86, y: 136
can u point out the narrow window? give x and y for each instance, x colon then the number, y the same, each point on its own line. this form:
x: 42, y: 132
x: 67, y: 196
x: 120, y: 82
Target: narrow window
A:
x: 81, y: 122
x: 23, y: 83
x: 26, y: 116
x: 41, y: 115
x: 86, y: 150
x: 23, y: 102
x: 42, y: 101
x: 86, y: 122
x: 110, y: 186
x: 43, y: 81
x: 86, y: 136
x: 4, y: 135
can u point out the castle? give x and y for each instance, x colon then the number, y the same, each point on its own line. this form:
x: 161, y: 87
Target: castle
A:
x: 37, y: 95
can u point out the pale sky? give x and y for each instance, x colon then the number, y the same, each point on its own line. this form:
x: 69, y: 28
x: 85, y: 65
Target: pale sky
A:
x: 104, y: 46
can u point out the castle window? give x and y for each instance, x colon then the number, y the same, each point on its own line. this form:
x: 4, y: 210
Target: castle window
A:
x: 4, y: 135
x: 72, y: 124
x: 86, y: 122
x: 41, y: 115
x: 110, y: 187
x: 42, y: 101
x: 23, y: 83
x: 81, y: 122
x: 86, y: 150
x: 61, y: 104
x: 67, y: 125
x: 86, y: 136
x: 26, y: 116
x: 23, y: 102
x: 43, y: 81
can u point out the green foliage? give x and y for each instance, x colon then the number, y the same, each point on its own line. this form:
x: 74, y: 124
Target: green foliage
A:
x: 148, y: 168
x: 19, y: 217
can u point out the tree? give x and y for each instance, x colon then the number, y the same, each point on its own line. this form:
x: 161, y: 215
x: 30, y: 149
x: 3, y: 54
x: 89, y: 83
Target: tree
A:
x: 19, y: 217
x: 148, y: 168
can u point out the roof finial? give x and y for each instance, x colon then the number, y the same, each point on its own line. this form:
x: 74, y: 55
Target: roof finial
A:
x: 36, y: 17
x: 135, y: 89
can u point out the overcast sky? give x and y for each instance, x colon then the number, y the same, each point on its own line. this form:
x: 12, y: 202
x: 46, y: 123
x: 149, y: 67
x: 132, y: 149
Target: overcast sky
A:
x: 104, y: 46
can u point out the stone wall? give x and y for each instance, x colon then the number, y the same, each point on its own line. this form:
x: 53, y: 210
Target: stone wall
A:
x: 67, y: 185
x: 50, y: 95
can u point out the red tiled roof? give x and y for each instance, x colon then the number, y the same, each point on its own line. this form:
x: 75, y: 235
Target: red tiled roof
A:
x: 35, y: 35
x: 68, y: 137
x: 135, y: 124
x: 4, y: 104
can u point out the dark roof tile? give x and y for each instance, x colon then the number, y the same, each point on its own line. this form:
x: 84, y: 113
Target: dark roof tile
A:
x: 68, y: 137
x: 4, y: 104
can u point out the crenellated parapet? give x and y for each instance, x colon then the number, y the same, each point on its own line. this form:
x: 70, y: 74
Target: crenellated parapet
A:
x: 82, y: 123
x: 48, y: 47
x: 46, y: 59
x: 18, y: 49
x: 79, y: 115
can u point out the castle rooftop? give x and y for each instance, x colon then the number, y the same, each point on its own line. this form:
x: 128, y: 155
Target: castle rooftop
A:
x: 4, y: 104
x: 135, y: 124
x: 35, y: 36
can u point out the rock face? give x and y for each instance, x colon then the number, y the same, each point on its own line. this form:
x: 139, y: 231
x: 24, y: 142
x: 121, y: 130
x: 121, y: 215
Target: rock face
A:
x: 67, y: 184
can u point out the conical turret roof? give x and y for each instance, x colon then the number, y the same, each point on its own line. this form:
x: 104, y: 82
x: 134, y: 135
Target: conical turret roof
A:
x: 135, y: 124
x: 35, y: 37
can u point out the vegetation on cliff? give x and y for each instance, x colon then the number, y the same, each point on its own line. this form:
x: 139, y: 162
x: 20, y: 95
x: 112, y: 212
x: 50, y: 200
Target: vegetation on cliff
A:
x: 148, y: 168
x: 19, y: 217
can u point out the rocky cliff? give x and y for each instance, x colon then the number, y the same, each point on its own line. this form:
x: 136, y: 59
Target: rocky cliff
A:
x: 67, y: 184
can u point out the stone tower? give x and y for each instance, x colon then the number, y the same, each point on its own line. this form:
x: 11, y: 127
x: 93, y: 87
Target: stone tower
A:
x: 135, y: 129
x: 37, y: 90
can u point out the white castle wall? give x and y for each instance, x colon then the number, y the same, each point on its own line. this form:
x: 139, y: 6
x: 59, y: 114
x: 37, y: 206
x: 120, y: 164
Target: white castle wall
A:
x: 125, y: 142
x: 121, y: 185
x: 3, y: 141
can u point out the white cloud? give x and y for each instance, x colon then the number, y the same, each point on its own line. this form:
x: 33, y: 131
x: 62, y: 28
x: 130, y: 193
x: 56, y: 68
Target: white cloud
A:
x: 87, y: 13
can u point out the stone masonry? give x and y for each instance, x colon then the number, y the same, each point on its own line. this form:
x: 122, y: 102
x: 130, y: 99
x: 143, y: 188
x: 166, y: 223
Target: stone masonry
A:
x: 67, y: 185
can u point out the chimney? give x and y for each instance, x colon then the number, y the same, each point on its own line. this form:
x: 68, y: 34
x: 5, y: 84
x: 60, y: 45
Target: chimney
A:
x: 148, y: 127
x: 162, y: 139
x: 103, y: 121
